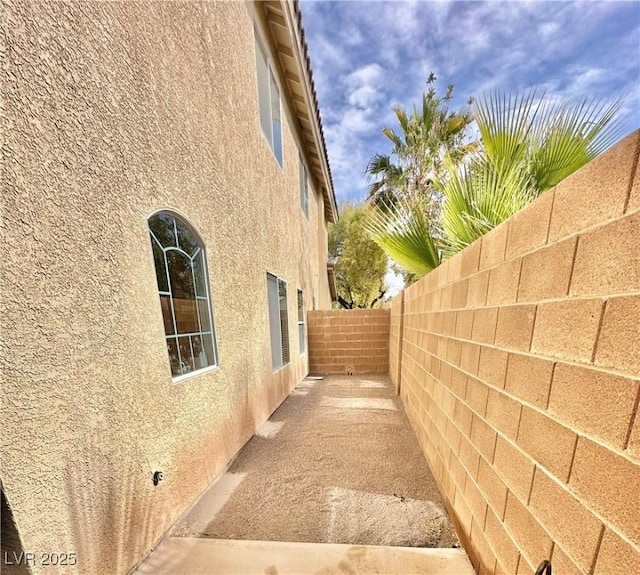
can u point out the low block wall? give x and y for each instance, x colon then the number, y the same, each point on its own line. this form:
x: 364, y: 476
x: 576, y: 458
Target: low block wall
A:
x: 520, y: 373
x: 356, y: 340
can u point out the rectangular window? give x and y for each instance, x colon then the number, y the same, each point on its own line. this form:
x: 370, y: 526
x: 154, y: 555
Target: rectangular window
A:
x: 301, y: 331
x: 304, y: 188
x: 278, y: 321
x: 269, y: 101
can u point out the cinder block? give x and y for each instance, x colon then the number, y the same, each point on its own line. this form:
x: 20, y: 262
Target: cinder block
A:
x: 463, y: 513
x: 477, y: 290
x: 470, y: 259
x: 493, y: 247
x: 515, y: 325
x: 561, y: 513
x: 493, y: 488
x: 458, y: 383
x: 503, y: 413
x: 452, y: 433
x: 608, y: 483
x: 633, y: 449
x: 464, y: 324
x: 527, y: 532
x: 546, y: 441
x: 476, y: 395
x: 514, y: 467
x: 562, y: 564
x: 469, y: 456
x: 442, y: 347
x: 481, y: 554
x: 446, y: 293
x: 528, y: 229
x: 469, y: 357
x: 455, y: 268
x: 525, y: 567
x: 454, y: 348
x: 476, y: 501
x: 619, y: 341
x: 595, y: 402
x: 483, y: 436
x: 503, y: 282
x: 457, y: 471
x: 492, y: 366
x: 529, y: 378
x: 567, y: 329
x: 608, y: 259
x: 546, y: 273
x: 596, y: 193
x: 459, y: 294
x: 449, y: 323
x: 616, y: 556
x: 484, y: 324
x: 505, y: 549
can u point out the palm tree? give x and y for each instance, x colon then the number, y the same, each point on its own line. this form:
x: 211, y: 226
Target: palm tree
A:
x: 426, y: 135
x: 527, y: 147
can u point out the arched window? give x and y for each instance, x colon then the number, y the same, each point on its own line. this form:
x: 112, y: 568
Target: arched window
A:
x: 181, y: 271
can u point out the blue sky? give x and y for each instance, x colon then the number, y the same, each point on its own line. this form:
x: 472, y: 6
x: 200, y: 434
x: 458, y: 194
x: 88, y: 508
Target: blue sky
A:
x: 368, y: 56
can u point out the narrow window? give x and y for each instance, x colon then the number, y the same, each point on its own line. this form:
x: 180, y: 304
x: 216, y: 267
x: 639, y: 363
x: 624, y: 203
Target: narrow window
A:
x: 301, y: 330
x: 183, y: 287
x: 304, y: 188
x: 278, y: 321
x: 269, y: 101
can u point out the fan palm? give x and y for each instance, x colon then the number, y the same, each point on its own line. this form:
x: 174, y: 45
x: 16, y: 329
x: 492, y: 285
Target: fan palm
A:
x: 527, y: 147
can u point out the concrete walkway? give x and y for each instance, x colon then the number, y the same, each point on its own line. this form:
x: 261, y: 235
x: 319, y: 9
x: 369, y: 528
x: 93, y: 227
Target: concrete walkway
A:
x: 337, y: 463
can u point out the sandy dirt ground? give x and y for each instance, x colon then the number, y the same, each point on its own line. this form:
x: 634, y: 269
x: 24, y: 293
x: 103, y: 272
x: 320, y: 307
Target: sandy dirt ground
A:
x: 337, y: 463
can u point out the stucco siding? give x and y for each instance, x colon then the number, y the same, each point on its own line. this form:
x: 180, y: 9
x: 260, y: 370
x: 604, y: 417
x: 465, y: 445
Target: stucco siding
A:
x: 112, y: 112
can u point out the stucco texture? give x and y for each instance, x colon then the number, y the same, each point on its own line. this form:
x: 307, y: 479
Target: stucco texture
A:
x: 113, y: 111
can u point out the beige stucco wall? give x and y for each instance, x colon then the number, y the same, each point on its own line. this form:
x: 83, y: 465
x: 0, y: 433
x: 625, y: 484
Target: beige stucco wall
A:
x: 114, y: 111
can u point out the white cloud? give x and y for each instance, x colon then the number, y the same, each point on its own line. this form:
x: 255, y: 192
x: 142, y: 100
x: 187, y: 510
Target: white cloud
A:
x: 369, y: 55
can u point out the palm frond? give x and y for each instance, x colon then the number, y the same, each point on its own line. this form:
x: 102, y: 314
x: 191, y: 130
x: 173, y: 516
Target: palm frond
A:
x: 403, y: 232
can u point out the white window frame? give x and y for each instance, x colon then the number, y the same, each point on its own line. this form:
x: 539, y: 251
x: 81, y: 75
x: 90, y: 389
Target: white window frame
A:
x: 271, y: 81
x: 304, y: 187
x: 209, y: 303
x: 277, y: 322
x: 302, y: 332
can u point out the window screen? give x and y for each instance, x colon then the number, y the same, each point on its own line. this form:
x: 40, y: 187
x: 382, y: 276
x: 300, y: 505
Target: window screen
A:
x: 301, y: 331
x: 304, y: 188
x: 269, y: 101
x: 278, y: 321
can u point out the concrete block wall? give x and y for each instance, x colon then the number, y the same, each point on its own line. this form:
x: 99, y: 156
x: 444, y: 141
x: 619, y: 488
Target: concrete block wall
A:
x: 396, y: 306
x: 520, y: 372
x: 356, y: 339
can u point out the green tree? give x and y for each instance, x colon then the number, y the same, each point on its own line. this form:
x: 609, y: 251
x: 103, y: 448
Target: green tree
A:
x: 426, y: 136
x: 360, y: 264
x: 527, y: 147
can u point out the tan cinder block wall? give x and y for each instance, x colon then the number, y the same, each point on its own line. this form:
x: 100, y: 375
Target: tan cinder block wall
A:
x: 355, y: 339
x: 112, y: 111
x: 520, y: 373
x: 395, y: 338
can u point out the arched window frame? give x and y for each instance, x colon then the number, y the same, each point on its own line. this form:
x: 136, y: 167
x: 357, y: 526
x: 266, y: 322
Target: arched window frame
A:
x: 175, y: 335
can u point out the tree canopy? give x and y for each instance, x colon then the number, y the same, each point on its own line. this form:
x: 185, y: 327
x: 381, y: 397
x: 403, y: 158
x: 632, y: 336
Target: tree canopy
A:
x: 360, y: 264
x: 528, y: 145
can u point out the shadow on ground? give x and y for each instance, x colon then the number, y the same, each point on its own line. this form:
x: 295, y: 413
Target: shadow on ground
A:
x: 337, y: 463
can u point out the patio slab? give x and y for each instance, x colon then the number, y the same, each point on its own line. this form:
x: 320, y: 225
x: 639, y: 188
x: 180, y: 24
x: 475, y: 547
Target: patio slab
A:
x: 197, y: 556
